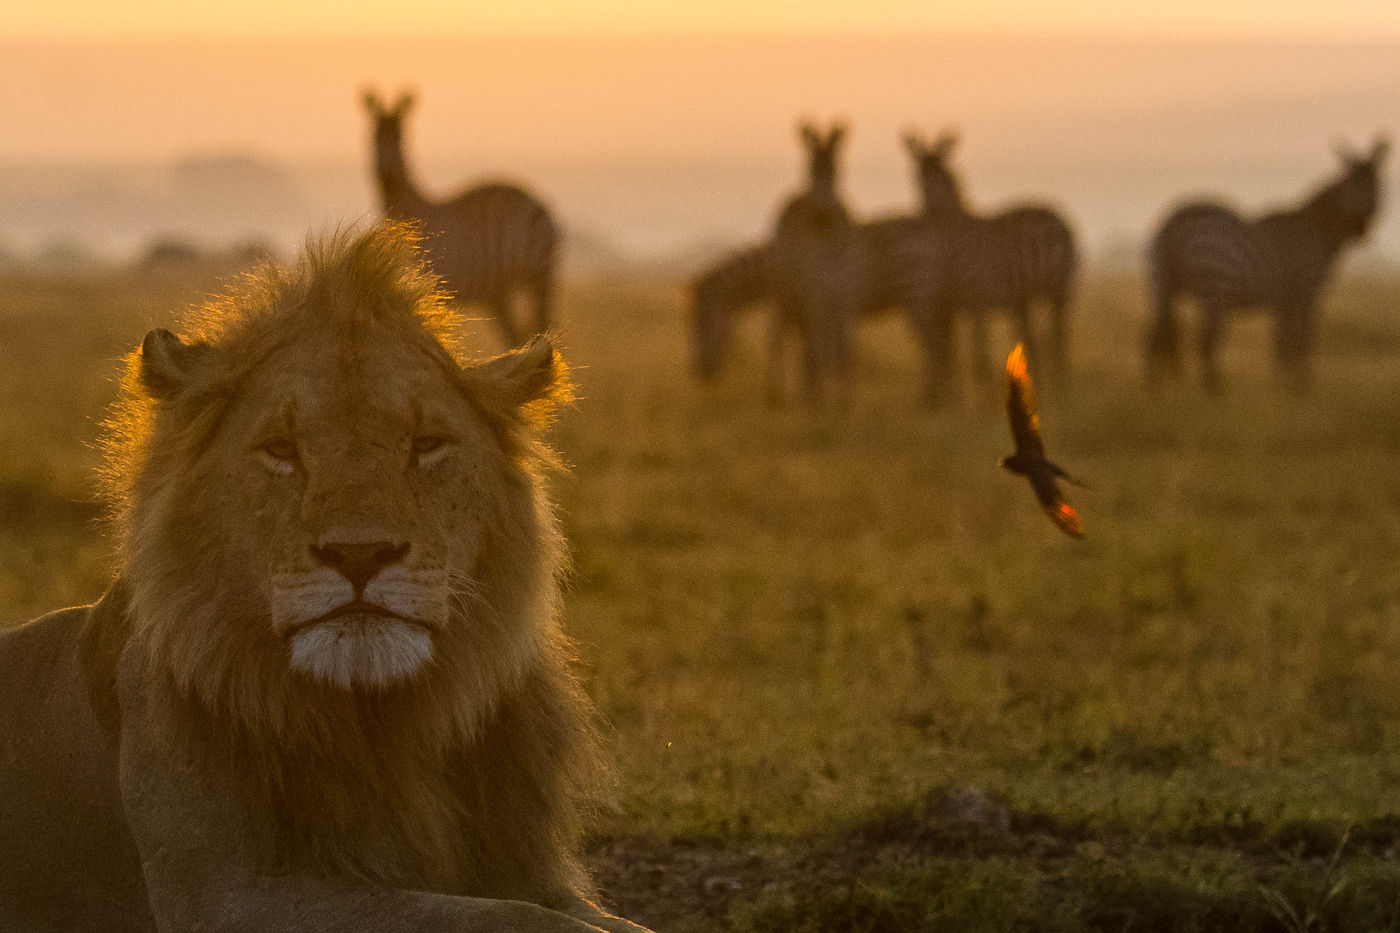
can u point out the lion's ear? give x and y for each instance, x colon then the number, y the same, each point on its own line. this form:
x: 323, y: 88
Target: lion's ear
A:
x: 533, y: 379
x: 168, y: 365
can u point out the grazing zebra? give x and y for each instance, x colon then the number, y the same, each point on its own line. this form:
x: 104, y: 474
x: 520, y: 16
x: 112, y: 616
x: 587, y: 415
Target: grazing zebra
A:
x: 1280, y: 261
x: 1008, y: 261
x: 907, y: 267
x: 487, y: 243
x: 718, y: 295
x: 819, y: 272
x: 903, y: 261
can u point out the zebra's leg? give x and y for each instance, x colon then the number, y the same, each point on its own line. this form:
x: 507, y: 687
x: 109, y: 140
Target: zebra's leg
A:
x: 1164, y: 339
x: 1307, y: 331
x: 937, y: 332
x: 1212, y: 325
x: 814, y: 359
x: 825, y: 350
x: 1021, y: 314
x: 982, y: 370
x: 1293, y: 338
x: 542, y: 296
x: 777, y: 346
x: 1059, y: 337
x: 844, y: 347
x: 500, y: 305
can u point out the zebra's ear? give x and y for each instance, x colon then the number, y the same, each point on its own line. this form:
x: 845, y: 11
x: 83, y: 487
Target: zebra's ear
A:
x: 807, y: 132
x: 943, y: 146
x: 1379, y: 149
x: 168, y: 366
x: 836, y: 135
x: 372, y: 104
x: 403, y: 106
x: 914, y: 143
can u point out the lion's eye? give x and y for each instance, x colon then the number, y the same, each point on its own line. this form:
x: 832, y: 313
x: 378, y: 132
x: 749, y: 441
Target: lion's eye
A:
x: 427, y: 443
x: 281, y: 448
x: 280, y: 453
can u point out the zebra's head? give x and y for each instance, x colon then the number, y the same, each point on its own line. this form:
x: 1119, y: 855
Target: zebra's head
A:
x: 1352, y: 200
x: 939, y: 186
x: 821, y: 156
x: 388, y: 131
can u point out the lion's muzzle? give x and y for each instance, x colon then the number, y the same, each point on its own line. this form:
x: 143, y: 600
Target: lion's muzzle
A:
x: 348, y: 637
x: 361, y: 649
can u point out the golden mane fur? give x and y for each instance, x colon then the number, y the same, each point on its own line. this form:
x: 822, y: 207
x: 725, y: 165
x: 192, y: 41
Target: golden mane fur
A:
x: 469, y: 779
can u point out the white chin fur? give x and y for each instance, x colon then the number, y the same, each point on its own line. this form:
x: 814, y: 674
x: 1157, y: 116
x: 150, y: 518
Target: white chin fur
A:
x: 353, y: 653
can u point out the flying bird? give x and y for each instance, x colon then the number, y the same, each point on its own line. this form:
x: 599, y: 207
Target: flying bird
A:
x: 1029, y: 459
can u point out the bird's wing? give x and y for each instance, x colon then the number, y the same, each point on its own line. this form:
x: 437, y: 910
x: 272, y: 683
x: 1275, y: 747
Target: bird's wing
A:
x: 1047, y: 490
x: 1020, y: 405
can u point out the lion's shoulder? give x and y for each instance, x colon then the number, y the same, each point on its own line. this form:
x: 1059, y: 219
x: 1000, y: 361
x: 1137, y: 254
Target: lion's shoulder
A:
x: 33, y: 655
x: 59, y: 806
x: 63, y: 664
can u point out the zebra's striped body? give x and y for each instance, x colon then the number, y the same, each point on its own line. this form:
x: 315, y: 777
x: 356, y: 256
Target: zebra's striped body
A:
x: 488, y: 244
x: 1011, y: 261
x: 1280, y: 261
x: 903, y: 260
x: 906, y: 264
x: 819, y: 274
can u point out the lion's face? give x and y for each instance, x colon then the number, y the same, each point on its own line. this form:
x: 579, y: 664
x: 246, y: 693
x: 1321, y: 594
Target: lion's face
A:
x: 323, y: 495
x: 351, y: 474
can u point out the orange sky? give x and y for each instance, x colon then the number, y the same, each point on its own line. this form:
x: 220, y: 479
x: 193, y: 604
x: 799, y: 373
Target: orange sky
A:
x: 679, y: 135
x: 1339, y: 18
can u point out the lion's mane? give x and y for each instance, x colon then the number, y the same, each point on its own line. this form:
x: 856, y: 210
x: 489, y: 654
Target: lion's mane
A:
x: 477, y: 773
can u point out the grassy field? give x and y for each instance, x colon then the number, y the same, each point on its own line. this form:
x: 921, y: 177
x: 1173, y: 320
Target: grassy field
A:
x: 856, y: 680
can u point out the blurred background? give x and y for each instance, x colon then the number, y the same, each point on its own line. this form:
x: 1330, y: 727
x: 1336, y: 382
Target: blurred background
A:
x: 658, y: 131
x: 853, y: 679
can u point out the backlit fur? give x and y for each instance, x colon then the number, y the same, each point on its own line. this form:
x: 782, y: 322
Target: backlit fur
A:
x: 447, y: 753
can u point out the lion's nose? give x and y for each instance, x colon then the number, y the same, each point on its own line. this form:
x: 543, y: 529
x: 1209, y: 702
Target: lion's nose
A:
x: 358, y: 563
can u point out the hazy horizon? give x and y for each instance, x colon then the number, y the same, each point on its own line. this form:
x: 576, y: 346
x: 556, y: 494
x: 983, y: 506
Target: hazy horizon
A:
x: 656, y: 144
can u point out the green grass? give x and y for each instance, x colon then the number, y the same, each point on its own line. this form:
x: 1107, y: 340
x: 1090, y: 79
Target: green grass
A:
x: 804, y: 624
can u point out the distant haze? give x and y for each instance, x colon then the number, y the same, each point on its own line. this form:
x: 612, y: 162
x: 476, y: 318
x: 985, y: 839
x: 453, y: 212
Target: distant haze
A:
x: 659, y: 145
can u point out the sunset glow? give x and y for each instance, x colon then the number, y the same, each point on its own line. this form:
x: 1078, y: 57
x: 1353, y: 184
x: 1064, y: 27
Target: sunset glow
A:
x: 1299, y: 18
x: 659, y: 125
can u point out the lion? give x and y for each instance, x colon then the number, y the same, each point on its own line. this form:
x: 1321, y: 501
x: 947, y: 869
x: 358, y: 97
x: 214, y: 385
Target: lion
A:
x: 327, y: 688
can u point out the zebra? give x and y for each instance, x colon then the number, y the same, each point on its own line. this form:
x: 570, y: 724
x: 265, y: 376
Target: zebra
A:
x: 742, y: 278
x: 903, y: 260
x: 1008, y: 261
x: 819, y: 272
x: 907, y: 267
x: 1281, y: 261
x: 487, y: 243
